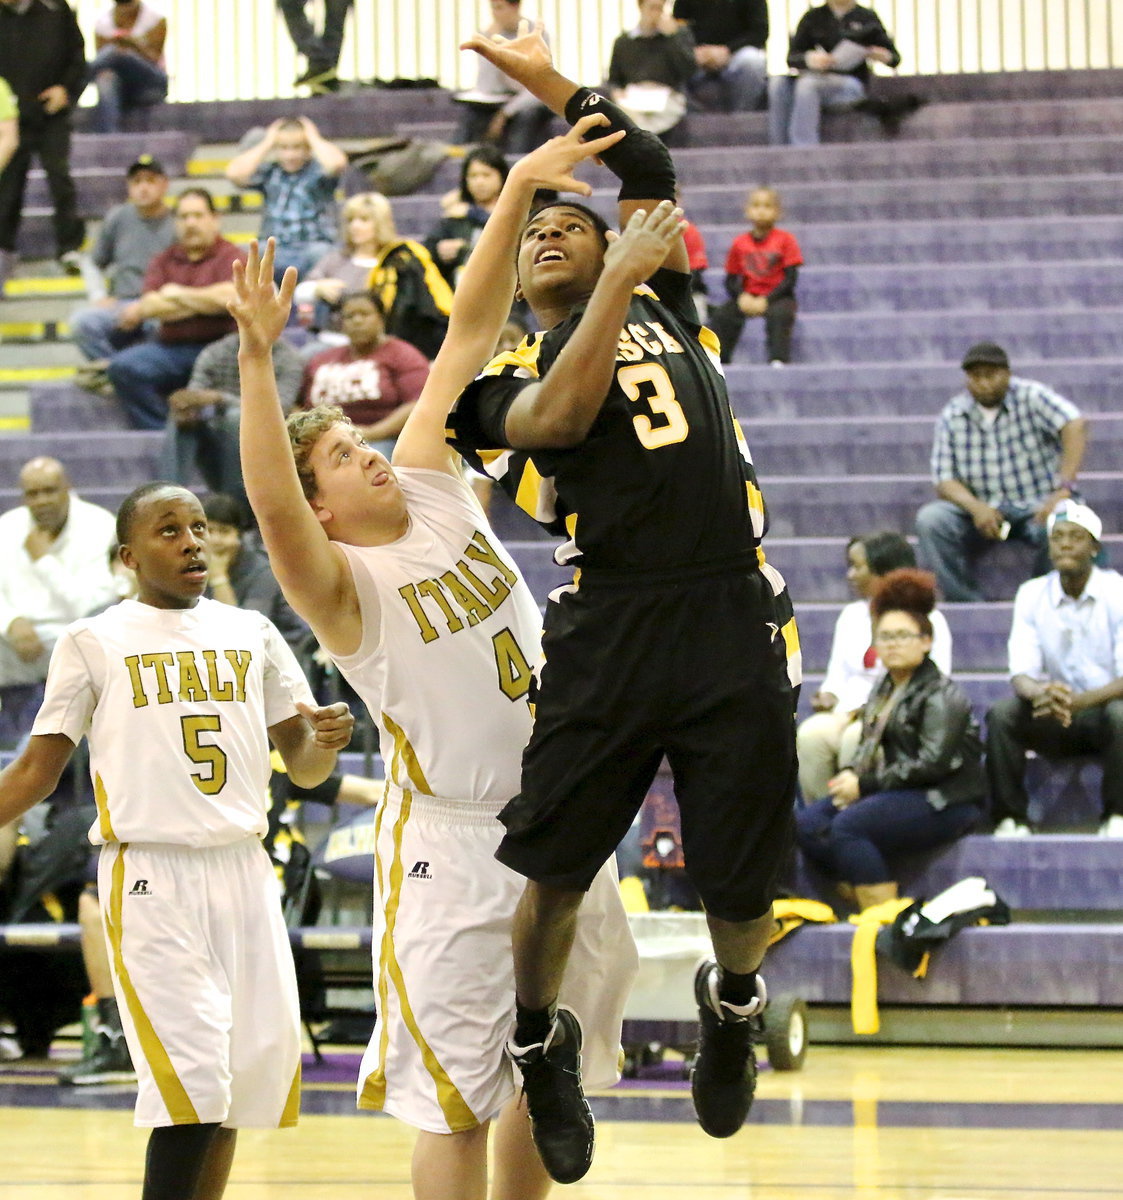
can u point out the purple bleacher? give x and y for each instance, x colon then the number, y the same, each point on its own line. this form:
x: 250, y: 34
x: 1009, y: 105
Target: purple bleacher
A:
x: 894, y: 445
x: 91, y: 457
x: 979, y: 633
x: 1042, y: 965
x: 1057, y: 871
x: 115, y: 151
x: 63, y: 407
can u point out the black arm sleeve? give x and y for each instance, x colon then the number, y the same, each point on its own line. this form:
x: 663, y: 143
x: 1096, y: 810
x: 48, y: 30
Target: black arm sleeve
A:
x: 786, y: 286
x: 639, y: 160
x: 734, y: 285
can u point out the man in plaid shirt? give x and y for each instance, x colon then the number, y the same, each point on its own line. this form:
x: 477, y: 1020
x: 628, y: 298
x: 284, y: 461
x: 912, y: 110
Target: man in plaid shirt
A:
x: 1006, y: 452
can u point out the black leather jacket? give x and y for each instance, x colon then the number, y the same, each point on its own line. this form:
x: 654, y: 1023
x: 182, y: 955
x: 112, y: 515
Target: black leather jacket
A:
x: 930, y: 742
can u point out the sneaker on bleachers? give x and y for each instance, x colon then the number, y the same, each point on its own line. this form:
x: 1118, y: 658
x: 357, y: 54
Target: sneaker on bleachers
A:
x: 561, y: 1121
x: 94, y: 377
x: 108, y: 1062
x: 1008, y: 827
x: 723, y: 1078
x: 1112, y: 826
x: 71, y: 262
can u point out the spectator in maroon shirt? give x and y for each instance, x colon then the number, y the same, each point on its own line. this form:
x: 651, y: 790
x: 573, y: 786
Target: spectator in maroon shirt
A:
x: 375, y: 378
x: 760, y: 276
x: 186, y: 288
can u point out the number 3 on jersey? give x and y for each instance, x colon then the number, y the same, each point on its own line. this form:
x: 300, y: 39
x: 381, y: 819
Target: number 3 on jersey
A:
x: 510, y: 662
x: 205, y: 754
x: 660, y: 398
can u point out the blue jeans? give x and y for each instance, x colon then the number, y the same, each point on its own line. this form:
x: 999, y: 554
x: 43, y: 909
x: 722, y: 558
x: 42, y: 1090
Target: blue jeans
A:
x: 949, y: 543
x: 124, y: 80
x: 743, y: 81
x: 96, y: 333
x: 209, y: 446
x: 302, y: 255
x: 796, y: 103
x: 321, y: 50
x: 144, y: 376
x: 851, y: 844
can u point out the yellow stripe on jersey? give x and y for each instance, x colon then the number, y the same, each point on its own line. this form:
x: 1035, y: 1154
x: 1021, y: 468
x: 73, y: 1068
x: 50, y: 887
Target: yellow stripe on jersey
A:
x: 756, y: 504
x: 529, y: 490
x: 524, y: 357
x: 456, y: 1111
x: 405, y: 755
x: 101, y: 799
x: 291, y: 1113
x: 172, y: 1091
x: 791, y: 638
x: 709, y: 340
x: 373, y: 1095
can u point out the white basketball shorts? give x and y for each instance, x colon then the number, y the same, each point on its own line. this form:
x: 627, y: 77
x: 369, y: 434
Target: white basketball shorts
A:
x: 444, y: 976
x: 205, y: 983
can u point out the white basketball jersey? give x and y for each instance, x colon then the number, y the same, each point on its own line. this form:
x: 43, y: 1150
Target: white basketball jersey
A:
x: 447, y: 671
x: 176, y: 703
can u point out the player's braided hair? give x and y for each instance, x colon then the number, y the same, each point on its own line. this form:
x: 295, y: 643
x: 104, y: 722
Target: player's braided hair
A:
x: 305, y: 428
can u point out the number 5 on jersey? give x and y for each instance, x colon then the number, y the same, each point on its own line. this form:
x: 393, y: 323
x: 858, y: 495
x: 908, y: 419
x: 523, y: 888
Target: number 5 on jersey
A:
x: 205, y: 753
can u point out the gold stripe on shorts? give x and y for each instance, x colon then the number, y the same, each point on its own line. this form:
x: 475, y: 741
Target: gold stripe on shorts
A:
x: 172, y: 1091
x: 291, y: 1113
x: 456, y: 1111
x: 373, y: 1095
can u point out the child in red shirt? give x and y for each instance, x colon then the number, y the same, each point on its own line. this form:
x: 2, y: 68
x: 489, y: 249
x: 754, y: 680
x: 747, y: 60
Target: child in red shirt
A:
x: 760, y: 276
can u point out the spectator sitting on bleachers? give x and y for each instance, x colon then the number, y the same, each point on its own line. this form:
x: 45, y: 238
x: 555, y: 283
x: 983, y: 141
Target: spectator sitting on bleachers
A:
x: 128, y: 67
x: 729, y: 39
x: 830, y: 54
x: 650, y: 68
x: 53, y: 548
x: 415, y: 296
x: 186, y: 288
x: 43, y: 59
x: 1066, y: 669
x: 239, y: 574
x: 466, y: 210
x: 916, y: 780
x: 497, y: 110
x: 826, y: 741
x: 375, y: 378
x: 202, y: 429
x: 1006, y: 452
x: 343, y: 270
x: 761, y: 270
x: 131, y: 236
x: 297, y: 171
x: 9, y: 126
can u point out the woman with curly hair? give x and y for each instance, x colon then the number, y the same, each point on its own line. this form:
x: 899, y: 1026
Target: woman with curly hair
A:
x: 917, y: 779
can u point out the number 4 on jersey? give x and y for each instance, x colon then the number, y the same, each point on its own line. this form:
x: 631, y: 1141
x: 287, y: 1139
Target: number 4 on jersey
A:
x: 514, y: 671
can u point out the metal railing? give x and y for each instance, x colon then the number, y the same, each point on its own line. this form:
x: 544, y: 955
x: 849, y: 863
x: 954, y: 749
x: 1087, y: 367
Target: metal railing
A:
x: 240, y: 49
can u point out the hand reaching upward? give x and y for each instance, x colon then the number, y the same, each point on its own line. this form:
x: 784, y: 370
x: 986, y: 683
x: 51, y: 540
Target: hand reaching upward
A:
x: 523, y: 58
x: 262, y: 312
x: 647, y: 239
x: 551, y: 164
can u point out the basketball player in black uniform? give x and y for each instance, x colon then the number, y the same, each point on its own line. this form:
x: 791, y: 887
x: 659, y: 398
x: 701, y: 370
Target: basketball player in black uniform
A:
x: 614, y: 428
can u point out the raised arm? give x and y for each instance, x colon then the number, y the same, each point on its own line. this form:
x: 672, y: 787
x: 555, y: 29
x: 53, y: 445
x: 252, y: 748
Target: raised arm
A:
x: 313, y: 573
x: 241, y: 169
x: 640, y: 160
x: 483, y: 297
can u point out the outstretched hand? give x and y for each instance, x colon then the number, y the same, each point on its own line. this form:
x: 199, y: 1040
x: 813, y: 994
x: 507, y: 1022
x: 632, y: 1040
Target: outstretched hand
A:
x: 261, y: 310
x: 646, y: 241
x: 551, y: 164
x: 521, y: 58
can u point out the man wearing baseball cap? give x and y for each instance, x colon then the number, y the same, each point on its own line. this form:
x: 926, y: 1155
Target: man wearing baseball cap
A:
x: 1066, y: 669
x: 1006, y: 452
x: 132, y: 235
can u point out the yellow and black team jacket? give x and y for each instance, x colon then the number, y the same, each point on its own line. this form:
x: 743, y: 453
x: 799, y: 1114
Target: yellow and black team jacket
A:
x: 415, y: 296
x: 664, y: 482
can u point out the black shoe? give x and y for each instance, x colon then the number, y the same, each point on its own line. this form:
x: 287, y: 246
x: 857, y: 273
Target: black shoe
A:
x: 108, y: 1063
x: 71, y: 262
x: 723, y: 1078
x: 319, y: 79
x: 560, y: 1118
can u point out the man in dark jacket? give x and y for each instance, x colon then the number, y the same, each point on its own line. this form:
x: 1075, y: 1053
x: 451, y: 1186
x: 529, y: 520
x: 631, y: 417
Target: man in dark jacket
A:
x: 43, y: 59
x: 729, y: 37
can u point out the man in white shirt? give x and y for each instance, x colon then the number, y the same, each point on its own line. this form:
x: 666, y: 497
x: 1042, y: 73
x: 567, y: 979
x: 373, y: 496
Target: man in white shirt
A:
x: 54, y: 550
x: 1066, y: 669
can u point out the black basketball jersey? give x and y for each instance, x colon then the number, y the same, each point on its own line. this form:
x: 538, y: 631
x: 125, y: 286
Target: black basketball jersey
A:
x: 664, y: 480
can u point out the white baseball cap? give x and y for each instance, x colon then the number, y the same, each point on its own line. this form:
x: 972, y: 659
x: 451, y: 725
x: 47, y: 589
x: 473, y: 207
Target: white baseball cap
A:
x: 1077, y: 514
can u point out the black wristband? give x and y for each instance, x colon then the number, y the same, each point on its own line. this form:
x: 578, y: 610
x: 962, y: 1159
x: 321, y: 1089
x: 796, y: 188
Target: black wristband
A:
x: 639, y: 160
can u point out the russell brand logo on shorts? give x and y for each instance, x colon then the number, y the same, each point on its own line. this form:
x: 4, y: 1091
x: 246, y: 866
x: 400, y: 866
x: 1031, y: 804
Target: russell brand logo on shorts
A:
x: 420, y: 871
x: 140, y: 888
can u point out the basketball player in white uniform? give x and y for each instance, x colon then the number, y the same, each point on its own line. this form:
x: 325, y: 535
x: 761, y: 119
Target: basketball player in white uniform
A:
x: 409, y: 591
x: 179, y: 697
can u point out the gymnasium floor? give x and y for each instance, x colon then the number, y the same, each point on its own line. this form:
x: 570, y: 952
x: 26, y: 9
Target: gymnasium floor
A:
x: 868, y: 1123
